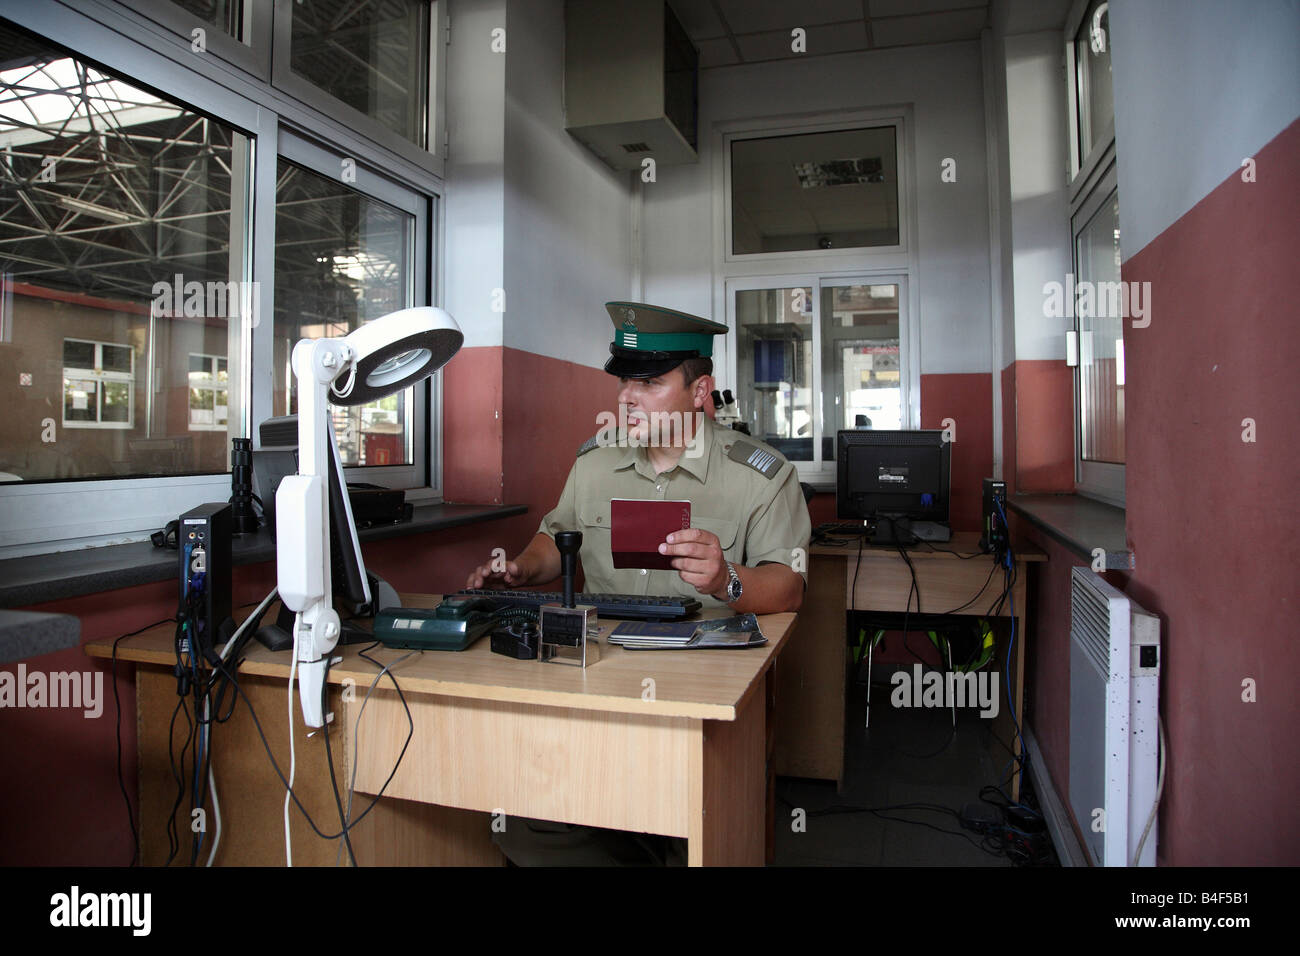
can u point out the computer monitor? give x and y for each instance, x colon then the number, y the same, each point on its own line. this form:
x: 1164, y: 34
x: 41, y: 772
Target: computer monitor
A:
x: 891, y: 474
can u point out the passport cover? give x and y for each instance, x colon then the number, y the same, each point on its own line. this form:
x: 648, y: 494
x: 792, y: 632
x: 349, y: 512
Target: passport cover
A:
x: 638, y: 527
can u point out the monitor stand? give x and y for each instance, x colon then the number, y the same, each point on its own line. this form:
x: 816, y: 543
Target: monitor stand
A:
x: 892, y: 530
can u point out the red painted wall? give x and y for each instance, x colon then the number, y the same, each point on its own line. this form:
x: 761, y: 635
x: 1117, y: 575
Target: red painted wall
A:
x: 968, y: 400
x: 1042, y: 434
x: 1213, y: 519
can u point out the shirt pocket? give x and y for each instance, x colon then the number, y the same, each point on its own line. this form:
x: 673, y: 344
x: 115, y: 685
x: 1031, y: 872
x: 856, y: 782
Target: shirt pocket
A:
x: 593, y: 520
x: 727, y: 533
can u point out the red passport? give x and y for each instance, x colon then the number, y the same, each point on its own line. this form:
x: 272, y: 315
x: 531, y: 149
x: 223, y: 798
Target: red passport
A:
x: 637, y: 528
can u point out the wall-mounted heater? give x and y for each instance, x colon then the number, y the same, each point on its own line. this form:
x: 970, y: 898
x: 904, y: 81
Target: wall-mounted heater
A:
x: 1114, y: 722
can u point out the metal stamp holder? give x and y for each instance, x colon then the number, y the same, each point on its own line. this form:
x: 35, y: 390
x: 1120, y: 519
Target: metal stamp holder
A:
x: 564, y: 627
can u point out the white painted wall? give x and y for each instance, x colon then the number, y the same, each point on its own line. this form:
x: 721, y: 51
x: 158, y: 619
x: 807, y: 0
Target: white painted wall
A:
x: 568, y: 216
x: 1037, y: 159
x: 475, y: 206
x: 943, y: 86
x: 1199, y: 86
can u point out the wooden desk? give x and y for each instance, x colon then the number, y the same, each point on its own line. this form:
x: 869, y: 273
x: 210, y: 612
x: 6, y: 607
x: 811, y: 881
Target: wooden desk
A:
x: 670, y: 742
x: 810, y: 678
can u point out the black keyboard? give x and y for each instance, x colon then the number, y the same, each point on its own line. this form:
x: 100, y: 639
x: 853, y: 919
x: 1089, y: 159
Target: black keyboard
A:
x: 641, y: 607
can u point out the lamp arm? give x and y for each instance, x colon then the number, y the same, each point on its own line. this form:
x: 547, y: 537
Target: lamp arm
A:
x: 303, y: 529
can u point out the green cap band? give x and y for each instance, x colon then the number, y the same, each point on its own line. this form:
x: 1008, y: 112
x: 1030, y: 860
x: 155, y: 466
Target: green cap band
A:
x: 665, y: 342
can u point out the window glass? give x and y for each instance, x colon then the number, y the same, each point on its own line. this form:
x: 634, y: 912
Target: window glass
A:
x: 1095, y: 99
x: 341, y: 259
x: 860, y: 348
x: 827, y: 191
x: 774, y: 367
x: 119, y: 247
x: 371, y: 54
x: 1101, y: 336
x: 225, y: 15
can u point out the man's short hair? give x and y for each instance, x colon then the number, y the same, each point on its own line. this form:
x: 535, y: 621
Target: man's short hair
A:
x: 693, y: 368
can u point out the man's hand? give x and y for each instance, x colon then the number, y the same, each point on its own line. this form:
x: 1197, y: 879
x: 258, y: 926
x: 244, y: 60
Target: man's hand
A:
x: 697, y: 556
x: 536, y: 564
x: 484, y: 577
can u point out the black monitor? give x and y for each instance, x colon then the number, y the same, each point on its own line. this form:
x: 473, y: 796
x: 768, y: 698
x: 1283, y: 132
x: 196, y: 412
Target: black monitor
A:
x: 891, y: 474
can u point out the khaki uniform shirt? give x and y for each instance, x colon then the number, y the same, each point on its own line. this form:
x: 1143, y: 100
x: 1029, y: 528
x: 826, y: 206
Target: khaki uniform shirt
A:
x: 758, y: 515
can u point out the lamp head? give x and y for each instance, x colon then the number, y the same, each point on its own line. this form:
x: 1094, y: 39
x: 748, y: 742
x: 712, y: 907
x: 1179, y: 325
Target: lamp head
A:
x: 396, y: 351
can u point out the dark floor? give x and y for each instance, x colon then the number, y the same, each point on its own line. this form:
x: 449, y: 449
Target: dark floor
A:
x: 887, y: 765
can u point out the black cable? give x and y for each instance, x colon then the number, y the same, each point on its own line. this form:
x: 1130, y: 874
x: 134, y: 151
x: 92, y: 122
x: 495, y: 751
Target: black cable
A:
x: 853, y: 594
x: 983, y: 587
x: 174, y: 842
x: 257, y: 724
x: 964, y: 557
x: 117, y: 704
x: 329, y: 757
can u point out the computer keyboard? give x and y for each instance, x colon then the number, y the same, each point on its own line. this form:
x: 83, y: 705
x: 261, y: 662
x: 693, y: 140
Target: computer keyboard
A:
x: 642, y: 607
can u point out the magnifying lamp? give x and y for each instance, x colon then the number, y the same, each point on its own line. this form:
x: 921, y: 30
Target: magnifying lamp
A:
x: 375, y: 360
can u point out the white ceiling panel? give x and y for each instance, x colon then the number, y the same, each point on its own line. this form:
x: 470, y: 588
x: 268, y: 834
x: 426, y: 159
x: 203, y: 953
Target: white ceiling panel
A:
x: 698, y: 19
x: 718, y: 52
x: 756, y: 16
x: 903, y: 8
x: 931, y: 28
x: 829, y: 38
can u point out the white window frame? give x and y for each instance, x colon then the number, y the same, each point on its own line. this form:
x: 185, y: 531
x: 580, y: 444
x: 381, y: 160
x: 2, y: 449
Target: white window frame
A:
x: 43, y: 516
x: 821, y: 474
x: 214, y: 386
x: 870, y: 264
x: 101, y: 375
x: 1092, y: 182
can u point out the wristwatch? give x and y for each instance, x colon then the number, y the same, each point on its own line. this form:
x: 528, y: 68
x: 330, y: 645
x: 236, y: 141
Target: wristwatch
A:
x: 734, y: 588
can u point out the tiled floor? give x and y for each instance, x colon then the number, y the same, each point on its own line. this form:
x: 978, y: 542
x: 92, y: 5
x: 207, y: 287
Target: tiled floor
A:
x: 886, y: 765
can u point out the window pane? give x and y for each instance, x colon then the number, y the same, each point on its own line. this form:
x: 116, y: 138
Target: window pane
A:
x: 117, y: 228
x: 341, y: 259
x: 774, y: 367
x: 78, y: 354
x: 371, y: 54
x: 860, y: 360
x: 814, y: 191
x: 225, y: 15
x: 116, y: 405
x: 1101, y: 331
x: 1096, y: 103
x: 80, y: 400
x: 116, y: 358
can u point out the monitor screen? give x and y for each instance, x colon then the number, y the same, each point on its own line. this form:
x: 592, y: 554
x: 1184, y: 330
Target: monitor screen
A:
x: 895, y: 473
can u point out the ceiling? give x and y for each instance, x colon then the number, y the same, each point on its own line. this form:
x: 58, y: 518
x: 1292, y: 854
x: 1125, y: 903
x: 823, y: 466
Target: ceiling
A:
x: 732, y: 32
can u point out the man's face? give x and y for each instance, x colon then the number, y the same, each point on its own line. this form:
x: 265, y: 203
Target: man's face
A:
x: 665, y: 397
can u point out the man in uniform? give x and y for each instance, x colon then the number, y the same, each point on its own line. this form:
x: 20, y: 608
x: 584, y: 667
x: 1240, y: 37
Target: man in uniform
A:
x: 749, y: 522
